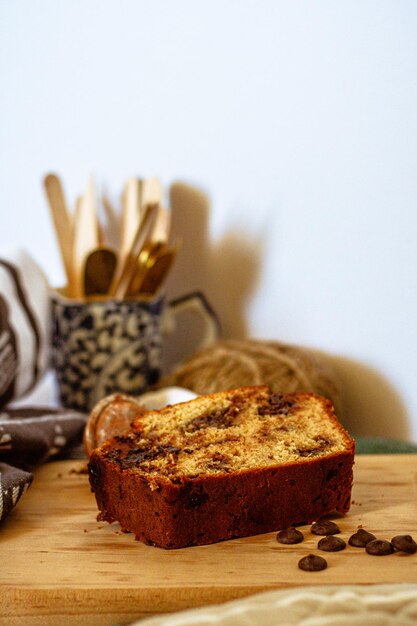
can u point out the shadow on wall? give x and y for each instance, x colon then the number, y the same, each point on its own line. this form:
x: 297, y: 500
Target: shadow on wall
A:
x: 226, y: 271
x: 371, y: 405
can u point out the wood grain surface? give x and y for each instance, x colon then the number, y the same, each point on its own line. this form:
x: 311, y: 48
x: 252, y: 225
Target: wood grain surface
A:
x: 60, y: 566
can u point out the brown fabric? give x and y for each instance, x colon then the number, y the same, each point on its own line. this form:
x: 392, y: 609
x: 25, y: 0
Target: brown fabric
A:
x: 21, y: 295
x: 28, y: 437
x: 24, y: 325
x: 13, y: 484
x: 32, y: 435
x: 8, y: 355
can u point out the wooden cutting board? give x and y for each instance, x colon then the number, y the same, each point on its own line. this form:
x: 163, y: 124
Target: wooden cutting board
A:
x: 60, y: 566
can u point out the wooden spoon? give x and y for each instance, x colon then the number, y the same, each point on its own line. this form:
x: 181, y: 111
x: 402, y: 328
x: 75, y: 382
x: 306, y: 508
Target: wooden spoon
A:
x: 100, y: 266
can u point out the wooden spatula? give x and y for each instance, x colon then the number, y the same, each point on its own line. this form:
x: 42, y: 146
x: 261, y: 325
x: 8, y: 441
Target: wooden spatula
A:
x: 131, y: 215
x: 61, y: 220
x: 162, y: 229
x: 112, y: 222
x: 152, y: 193
x: 86, y: 237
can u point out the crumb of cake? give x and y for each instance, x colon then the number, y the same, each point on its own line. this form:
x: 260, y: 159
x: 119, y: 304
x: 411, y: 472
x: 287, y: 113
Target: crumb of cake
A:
x: 79, y: 470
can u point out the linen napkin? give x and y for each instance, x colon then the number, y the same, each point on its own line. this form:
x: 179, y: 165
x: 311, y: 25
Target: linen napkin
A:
x: 24, y: 324
x: 30, y: 435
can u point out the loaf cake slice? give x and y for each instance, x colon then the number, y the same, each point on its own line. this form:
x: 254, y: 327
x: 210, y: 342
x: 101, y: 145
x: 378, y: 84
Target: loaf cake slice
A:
x: 230, y: 464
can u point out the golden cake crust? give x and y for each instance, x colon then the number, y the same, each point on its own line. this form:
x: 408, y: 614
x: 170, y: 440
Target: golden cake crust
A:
x: 230, y: 464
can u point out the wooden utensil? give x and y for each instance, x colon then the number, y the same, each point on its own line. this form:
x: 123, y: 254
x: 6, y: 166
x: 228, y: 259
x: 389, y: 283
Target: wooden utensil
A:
x: 86, y: 237
x: 112, y: 223
x: 127, y: 264
x: 162, y: 226
x: 99, y: 270
x: 62, y: 221
x: 152, y: 193
x: 131, y: 215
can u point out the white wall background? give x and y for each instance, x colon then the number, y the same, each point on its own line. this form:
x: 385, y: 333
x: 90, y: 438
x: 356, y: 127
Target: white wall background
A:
x: 288, y: 131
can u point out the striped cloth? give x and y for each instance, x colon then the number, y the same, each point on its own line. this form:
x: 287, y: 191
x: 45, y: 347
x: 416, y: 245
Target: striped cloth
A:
x: 28, y: 437
x: 24, y: 324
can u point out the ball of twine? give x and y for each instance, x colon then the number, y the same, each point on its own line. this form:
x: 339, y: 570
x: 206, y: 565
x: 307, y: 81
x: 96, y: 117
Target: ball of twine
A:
x: 236, y: 363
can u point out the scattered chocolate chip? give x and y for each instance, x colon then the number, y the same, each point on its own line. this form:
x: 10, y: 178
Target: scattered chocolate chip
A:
x: 312, y: 563
x: 379, y: 547
x: 361, y: 538
x: 325, y: 527
x: 404, y: 543
x: 290, y: 536
x: 331, y: 544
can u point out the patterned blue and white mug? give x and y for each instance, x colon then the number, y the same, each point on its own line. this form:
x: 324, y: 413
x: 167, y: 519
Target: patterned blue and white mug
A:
x: 105, y: 346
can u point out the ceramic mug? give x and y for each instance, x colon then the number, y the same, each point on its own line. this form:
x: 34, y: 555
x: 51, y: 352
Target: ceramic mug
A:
x: 105, y: 346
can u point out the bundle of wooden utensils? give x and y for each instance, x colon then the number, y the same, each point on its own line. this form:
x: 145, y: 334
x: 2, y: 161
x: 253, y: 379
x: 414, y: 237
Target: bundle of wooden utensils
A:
x: 131, y: 258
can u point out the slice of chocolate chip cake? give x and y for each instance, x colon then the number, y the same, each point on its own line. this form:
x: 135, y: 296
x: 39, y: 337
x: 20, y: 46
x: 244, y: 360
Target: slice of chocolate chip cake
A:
x: 230, y: 464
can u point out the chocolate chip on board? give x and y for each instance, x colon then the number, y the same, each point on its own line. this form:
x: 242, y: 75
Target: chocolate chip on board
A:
x: 331, y: 544
x: 379, y: 547
x: 325, y: 527
x: 404, y: 543
x: 361, y: 538
x: 312, y: 563
x: 290, y: 536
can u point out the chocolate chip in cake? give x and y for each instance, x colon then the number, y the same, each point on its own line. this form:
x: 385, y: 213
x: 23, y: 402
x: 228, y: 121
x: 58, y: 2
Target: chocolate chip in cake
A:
x: 325, y: 527
x: 138, y: 455
x: 290, y: 536
x: 361, y: 538
x: 312, y: 563
x: 404, y: 543
x: 277, y: 404
x: 306, y: 452
x: 218, y: 418
x: 331, y: 544
x: 379, y: 547
x: 220, y: 462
